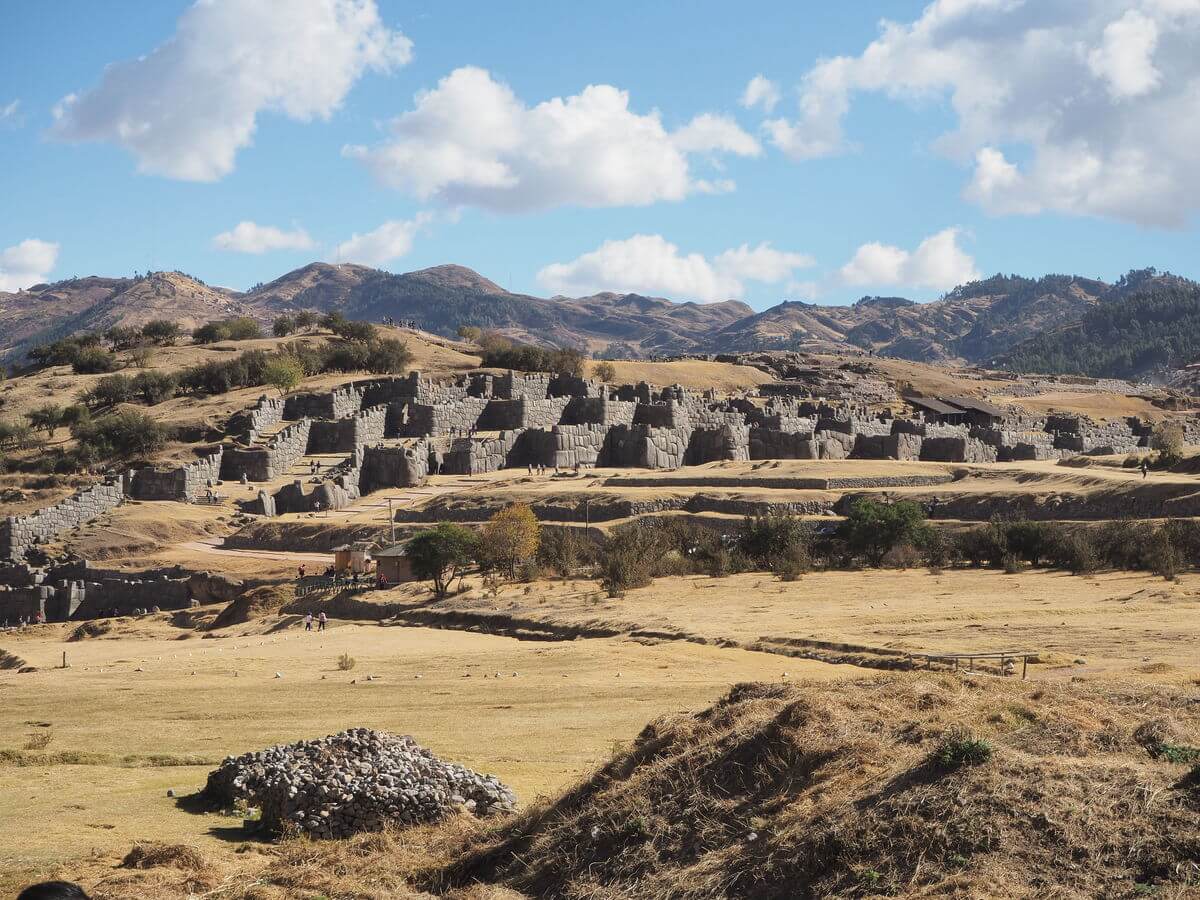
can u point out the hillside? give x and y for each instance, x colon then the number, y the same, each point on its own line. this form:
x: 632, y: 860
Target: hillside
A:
x: 984, y: 322
x: 1143, y: 323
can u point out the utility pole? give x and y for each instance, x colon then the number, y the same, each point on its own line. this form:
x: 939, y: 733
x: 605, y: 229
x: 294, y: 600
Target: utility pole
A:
x: 391, y: 522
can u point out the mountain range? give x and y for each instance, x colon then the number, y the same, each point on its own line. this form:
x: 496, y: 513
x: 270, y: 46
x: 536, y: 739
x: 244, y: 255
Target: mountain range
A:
x: 989, y: 322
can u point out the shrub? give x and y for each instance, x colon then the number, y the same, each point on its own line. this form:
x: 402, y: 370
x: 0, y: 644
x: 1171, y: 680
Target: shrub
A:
x: 346, y: 662
x: 125, y: 434
x: 388, y: 356
x: 283, y: 326
x: 243, y: 328
x: 980, y: 546
x: 141, y: 356
x: 110, y: 390
x: 629, y: 557
x: 902, y: 556
x: 959, y: 747
x: 766, y: 541
x: 210, y: 333
x: 1168, y: 440
x: 357, y: 332
x: 15, y: 435
x: 306, y: 320
x: 605, y: 371
x: 562, y: 550
x: 1012, y: 563
x: 153, y: 387
x: 123, y: 337
x: 93, y: 361
x: 470, y: 333
x: 163, y: 332
x: 1077, y: 553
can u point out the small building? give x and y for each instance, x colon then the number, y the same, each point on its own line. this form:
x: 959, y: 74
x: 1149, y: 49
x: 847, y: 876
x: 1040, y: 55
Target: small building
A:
x: 353, y: 558
x: 957, y: 410
x: 393, y: 565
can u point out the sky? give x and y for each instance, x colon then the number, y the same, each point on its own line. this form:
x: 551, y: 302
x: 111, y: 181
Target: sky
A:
x: 759, y: 151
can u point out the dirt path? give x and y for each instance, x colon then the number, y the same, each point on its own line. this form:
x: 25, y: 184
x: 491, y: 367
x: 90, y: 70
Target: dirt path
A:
x: 213, y: 546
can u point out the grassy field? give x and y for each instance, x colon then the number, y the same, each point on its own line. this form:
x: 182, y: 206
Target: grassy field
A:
x: 147, y: 711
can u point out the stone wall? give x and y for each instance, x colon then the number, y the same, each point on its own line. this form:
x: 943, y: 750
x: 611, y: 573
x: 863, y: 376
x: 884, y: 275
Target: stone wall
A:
x: 264, y: 415
x: 19, y: 533
x: 185, y: 482
x: 411, y: 419
x: 727, y: 442
x: 771, y: 443
x: 564, y: 446
x: 598, y: 411
x: 473, y: 456
x: 265, y: 463
x: 391, y: 467
x: 643, y: 446
x: 336, y: 404
x: 343, y: 435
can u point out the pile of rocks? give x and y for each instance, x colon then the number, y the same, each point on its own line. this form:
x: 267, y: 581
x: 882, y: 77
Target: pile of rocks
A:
x: 353, y: 781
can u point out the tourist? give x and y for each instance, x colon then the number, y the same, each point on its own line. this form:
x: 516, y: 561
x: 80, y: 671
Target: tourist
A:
x: 321, y: 620
x: 308, y: 622
x: 300, y: 572
x: 1145, y: 466
x: 53, y: 890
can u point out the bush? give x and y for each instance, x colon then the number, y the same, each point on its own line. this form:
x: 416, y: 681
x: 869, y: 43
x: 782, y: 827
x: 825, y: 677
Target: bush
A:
x: 1168, y: 440
x: 958, y: 747
x: 283, y: 326
x: 605, y: 371
x: 110, y: 390
x: 872, y: 529
x: 283, y: 373
x: 243, y: 328
x: 123, y: 337
x: 125, y: 434
x: 15, y: 435
x: 46, y: 418
x: 346, y: 662
x: 563, y: 550
x: 93, y: 361
x: 768, y: 541
x: 306, y: 320
x: 356, y: 332
x: 470, y: 333
x: 902, y: 556
x: 629, y: 557
x: 388, y: 356
x: 1077, y: 553
x: 163, y: 332
x: 501, y: 353
x: 153, y: 387
x: 209, y: 333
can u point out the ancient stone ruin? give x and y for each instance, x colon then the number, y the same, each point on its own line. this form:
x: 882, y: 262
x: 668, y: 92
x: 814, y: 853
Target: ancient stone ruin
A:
x: 356, y: 780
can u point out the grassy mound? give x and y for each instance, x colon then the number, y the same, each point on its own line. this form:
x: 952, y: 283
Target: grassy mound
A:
x: 255, y: 604
x: 901, y: 786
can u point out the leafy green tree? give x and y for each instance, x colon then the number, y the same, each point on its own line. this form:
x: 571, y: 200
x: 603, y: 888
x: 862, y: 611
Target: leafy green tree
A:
x: 388, y: 356
x: 110, y: 390
x: 283, y: 326
x: 243, y: 328
x: 45, y: 418
x: 605, y: 371
x: 442, y: 554
x: 306, y: 320
x: 283, y: 373
x: 872, y: 529
x: 92, y: 361
x: 125, y: 434
x: 163, y: 332
x: 154, y: 387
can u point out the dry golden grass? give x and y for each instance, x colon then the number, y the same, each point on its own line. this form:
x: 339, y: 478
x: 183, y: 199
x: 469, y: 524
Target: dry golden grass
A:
x: 130, y: 720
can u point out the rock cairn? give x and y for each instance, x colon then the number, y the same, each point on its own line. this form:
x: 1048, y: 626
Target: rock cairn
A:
x: 353, y: 781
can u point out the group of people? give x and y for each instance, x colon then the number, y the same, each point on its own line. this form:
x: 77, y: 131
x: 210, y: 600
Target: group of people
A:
x: 320, y: 620
x: 38, y: 618
x: 400, y: 323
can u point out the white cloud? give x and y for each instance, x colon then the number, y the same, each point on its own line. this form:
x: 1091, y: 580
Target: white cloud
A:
x: 1085, y: 107
x: 1125, y: 56
x: 389, y: 241
x: 708, y: 133
x: 650, y: 264
x: 471, y: 141
x: 27, y: 263
x: 250, y: 237
x: 10, y: 114
x: 185, y: 109
x: 938, y: 263
x: 761, y: 91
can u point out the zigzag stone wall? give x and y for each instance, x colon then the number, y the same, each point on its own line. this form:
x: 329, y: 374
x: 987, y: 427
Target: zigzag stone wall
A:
x: 184, y: 482
x: 18, y: 534
x: 265, y: 463
x: 343, y: 435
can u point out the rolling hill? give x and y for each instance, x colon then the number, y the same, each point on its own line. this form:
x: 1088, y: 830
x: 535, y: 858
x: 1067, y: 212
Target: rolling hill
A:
x: 1007, y: 320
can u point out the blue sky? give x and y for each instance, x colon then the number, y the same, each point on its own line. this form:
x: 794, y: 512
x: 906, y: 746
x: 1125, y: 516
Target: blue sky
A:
x: 966, y: 138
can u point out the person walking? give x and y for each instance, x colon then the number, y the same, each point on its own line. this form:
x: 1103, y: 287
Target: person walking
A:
x: 308, y: 622
x: 321, y: 620
x: 1144, y: 465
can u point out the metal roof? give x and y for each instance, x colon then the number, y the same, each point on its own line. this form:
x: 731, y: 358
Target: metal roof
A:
x: 977, y: 405
x: 934, y: 405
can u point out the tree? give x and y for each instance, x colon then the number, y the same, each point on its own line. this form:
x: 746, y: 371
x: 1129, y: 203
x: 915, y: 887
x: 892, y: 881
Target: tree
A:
x: 306, y: 320
x: 45, y: 418
x: 92, y: 361
x: 154, y: 387
x: 163, y: 332
x: 629, y: 557
x: 605, y: 371
x: 442, y: 554
x: 283, y: 326
x: 243, y: 328
x: 283, y: 373
x: 15, y: 436
x: 872, y: 529
x: 142, y: 356
x: 470, y: 333
x: 210, y: 333
x: 510, y: 538
x: 1168, y: 441
x: 110, y: 390
x: 388, y: 356
x: 125, y: 434
x: 123, y: 337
